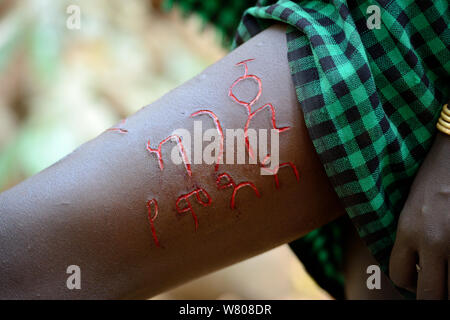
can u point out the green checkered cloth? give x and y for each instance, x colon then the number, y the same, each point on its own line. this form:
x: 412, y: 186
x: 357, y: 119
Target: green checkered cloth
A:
x: 371, y: 99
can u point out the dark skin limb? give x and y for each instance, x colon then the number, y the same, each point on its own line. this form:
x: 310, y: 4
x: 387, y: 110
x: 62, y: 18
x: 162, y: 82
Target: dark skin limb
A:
x: 90, y: 208
x: 423, y: 235
x: 422, y: 238
x: 356, y: 260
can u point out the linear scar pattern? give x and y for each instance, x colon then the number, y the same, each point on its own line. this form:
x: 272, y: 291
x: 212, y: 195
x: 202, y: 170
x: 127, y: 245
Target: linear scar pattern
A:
x: 248, y: 105
x: 119, y: 129
x: 224, y: 180
x: 185, y: 197
x: 219, y: 130
x: 151, y: 218
x: 274, y: 171
x: 181, y: 148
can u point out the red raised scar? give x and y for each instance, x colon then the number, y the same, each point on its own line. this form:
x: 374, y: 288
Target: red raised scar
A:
x: 229, y: 182
x: 151, y: 218
x: 248, y: 104
x: 118, y: 129
x: 189, y: 207
x: 282, y: 165
x: 219, y: 130
x: 181, y: 148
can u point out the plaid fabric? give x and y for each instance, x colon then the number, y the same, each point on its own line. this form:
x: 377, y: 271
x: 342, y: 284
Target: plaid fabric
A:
x: 371, y: 99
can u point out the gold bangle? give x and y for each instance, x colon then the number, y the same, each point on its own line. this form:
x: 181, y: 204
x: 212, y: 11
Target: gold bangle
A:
x: 445, y: 117
x: 443, y: 129
x: 445, y: 109
x: 443, y: 123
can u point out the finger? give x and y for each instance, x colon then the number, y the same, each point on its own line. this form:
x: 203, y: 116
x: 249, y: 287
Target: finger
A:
x: 402, y: 266
x: 431, y: 277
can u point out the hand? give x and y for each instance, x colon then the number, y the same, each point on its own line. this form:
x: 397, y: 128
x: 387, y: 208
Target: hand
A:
x: 419, y: 261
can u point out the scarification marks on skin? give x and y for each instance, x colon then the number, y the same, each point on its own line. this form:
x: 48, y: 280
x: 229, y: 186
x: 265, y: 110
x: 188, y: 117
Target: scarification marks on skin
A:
x: 188, y: 208
x: 158, y: 153
x: 219, y: 130
x: 119, y: 128
x: 248, y: 104
x: 224, y: 180
x: 152, y: 219
x: 275, y: 170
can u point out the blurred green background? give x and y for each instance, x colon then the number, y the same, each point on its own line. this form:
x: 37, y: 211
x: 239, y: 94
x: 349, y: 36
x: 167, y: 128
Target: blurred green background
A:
x: 60, y: 87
